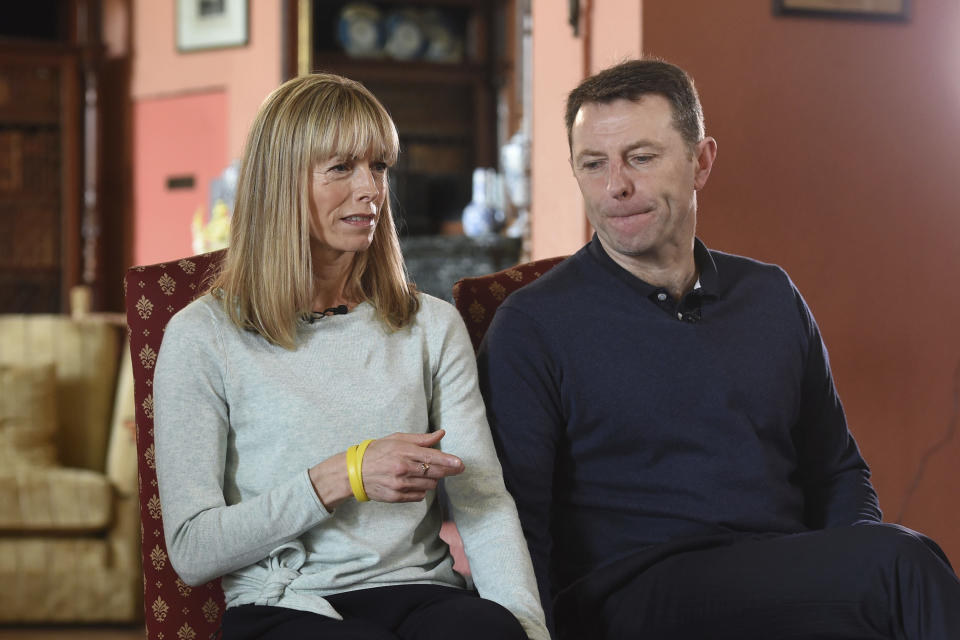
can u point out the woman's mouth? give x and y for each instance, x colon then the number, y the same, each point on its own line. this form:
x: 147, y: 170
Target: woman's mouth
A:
x: 360, y: 220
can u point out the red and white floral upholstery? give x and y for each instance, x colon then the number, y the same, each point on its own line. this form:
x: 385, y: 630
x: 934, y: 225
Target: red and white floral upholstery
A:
x: 173, y: 610
x: 477, y: 298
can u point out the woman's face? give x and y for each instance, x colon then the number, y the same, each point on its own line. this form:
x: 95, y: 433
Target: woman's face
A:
x: 346, y: 196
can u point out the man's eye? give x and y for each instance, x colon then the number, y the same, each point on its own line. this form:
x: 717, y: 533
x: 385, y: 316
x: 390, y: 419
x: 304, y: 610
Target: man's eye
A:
x: 590, y: 165
x: 641, y: 159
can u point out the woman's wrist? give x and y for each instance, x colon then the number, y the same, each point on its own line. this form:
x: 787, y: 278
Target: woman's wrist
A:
x: 331, y: 482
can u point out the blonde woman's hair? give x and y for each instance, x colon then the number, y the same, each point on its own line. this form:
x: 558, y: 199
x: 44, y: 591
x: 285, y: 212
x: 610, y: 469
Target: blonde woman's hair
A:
x: 267, y: 282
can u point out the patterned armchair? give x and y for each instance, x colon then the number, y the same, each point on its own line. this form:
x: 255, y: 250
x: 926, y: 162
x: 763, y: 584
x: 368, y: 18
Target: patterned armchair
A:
x: 477, y: 298
x: 173, y: 610
x: 154, y: 293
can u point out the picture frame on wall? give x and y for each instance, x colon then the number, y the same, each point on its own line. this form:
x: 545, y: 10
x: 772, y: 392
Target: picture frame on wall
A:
x: 895, y: 10
x: 212, y: 24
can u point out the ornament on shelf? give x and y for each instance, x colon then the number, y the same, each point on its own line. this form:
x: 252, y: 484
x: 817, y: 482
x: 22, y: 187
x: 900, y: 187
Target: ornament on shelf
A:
x: 483, y: 215
x: 360, y: 30
x: 215, y: 233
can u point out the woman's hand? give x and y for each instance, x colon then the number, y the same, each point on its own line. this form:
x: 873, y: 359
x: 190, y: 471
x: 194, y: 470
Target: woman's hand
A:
x: 399, y: 468
x: 403, y: 467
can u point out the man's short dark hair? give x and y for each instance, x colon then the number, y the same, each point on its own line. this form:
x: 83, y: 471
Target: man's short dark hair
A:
x: 634, y: 79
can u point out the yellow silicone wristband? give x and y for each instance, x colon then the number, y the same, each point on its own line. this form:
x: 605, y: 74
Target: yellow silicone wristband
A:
x: 361, y: 448
x: 353, y: 471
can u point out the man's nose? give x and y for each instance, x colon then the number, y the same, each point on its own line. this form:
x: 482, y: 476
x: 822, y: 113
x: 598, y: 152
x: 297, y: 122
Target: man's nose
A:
x: 619, y: 185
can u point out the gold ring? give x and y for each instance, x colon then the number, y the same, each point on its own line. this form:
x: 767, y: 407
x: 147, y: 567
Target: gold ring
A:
x: 424, y: 467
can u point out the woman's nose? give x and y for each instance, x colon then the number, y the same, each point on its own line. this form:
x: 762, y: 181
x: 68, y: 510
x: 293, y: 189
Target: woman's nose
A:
x: 366, y: 182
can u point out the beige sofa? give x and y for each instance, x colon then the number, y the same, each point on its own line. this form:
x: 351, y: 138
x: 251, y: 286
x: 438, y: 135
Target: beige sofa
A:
x: 69, y: 527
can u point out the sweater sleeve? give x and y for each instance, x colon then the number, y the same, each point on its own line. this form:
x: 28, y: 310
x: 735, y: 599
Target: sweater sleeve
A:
x: 205, y: 537
x: 835, y: 477
x: 520, y: 384
x: 483, y: 511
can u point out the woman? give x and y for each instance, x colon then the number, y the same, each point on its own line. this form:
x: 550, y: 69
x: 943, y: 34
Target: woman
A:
x: 309, y: 343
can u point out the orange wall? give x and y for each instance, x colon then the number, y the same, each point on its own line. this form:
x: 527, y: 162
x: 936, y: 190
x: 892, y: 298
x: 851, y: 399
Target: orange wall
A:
x: 194, y: 109
x: 838, y: 159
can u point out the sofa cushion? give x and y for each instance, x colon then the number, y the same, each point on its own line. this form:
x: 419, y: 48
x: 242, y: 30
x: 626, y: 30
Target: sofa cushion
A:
x: 54, y: 499
x: 85, y: 354
x: 54, y: 579
x: 28, y: 415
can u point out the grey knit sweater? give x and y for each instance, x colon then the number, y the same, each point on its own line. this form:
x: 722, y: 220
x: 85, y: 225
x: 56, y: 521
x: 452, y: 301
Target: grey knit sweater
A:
x: 240, y: 421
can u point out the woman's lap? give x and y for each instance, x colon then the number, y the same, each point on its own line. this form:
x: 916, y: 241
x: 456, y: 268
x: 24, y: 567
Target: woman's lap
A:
x: 405, y: 612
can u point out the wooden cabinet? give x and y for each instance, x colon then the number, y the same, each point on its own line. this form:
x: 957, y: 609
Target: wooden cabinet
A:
x: 445, y: 111
x: 56, y: 89
x: 39, y: 179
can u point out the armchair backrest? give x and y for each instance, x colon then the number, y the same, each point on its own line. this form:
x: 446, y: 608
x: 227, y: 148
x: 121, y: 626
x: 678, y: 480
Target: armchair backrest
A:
x: 477, y: 298
x: 85, y: 355
x: 154, y: 293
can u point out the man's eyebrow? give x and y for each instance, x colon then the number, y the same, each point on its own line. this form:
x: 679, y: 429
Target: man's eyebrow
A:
x: 627, y: 148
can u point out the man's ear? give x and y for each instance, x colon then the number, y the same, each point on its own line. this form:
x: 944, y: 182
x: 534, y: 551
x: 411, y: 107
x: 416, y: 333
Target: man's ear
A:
x: 705, y: 152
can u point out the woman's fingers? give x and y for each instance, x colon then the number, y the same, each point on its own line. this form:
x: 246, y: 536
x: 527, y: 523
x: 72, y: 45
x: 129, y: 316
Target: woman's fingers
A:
x: 399, y: 468
x: 420, y: 439
x: 430, y: 456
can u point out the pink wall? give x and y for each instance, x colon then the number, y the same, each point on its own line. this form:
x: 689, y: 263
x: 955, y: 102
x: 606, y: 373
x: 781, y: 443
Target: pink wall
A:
x: 176, y: 136
x: 556, y: 220
x: 247, y: 74
x: 616, y: 32
x: 558, y: 226
x: 191, y: 114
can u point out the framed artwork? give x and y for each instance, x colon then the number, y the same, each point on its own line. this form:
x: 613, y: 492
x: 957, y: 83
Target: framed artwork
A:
x: 868, y: 9
x: 212, y: 24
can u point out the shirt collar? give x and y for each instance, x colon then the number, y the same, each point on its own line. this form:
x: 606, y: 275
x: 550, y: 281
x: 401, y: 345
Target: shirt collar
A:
x: 708, y: 283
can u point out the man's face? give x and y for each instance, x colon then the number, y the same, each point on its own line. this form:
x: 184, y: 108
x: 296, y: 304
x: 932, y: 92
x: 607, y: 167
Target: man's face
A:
x: 639, y: 178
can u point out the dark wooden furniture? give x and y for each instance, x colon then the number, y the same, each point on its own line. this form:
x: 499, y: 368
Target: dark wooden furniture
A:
x: 40, y: 174
x: 445, y: 111
x: 57, y: 86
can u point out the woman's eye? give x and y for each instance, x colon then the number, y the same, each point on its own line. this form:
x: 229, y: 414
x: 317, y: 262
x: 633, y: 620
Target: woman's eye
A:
x: 340, y: 167
x: 379, y: 167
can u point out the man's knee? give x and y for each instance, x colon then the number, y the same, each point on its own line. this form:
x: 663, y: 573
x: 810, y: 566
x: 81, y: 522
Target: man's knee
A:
x: 897, y: 545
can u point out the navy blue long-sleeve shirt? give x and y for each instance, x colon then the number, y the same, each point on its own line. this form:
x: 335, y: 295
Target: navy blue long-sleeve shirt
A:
x: 623, y: 419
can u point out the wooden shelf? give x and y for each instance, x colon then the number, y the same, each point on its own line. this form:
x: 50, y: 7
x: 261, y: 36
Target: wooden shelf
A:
x: 400, y: 72
x: 445, y: 111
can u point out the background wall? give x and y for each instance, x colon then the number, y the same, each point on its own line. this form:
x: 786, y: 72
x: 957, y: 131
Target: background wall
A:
x: 193, y: 143
x: 556, y: 218
x: 191, y: 114
x: 610, y: 31
x: 838, y: 155
x: 838, y: 159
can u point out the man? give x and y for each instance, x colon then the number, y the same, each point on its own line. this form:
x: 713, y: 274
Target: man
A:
x: 667, y: 420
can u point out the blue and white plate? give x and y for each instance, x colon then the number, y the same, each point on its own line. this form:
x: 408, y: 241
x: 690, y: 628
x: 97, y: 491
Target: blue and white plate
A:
x: 360, y: 31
